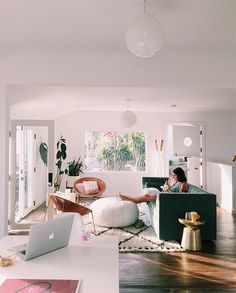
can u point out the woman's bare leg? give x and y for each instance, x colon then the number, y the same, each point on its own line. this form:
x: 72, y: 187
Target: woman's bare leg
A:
x: 138, y: 198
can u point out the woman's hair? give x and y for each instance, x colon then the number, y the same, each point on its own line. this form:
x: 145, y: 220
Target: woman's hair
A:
x: 179, y: 172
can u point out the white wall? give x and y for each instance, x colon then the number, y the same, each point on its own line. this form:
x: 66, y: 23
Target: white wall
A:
x: 220, y: 132
x: 3, y: 162
x: 221, y: 180
x: 73, y: 128
x: 169, y: 68
x: 173, y: 68
x: 214, y: 184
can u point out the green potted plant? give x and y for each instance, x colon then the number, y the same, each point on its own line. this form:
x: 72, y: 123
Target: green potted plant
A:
x: 43, y: 151
x: 73, y: 171
x: 60, y: 157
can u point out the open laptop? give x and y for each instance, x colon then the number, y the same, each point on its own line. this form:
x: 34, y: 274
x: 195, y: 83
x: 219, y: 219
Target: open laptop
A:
x: 46, y: 237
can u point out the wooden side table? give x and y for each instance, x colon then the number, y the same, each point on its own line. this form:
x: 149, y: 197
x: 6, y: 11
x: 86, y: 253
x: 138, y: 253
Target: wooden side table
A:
x: 191, y: 239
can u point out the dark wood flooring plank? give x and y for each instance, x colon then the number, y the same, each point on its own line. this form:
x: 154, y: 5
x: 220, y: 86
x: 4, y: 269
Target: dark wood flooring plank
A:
x: 211, y: 270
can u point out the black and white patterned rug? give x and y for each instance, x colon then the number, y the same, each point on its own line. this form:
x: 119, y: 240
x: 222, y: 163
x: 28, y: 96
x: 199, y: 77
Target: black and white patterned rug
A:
x: 134, y: 239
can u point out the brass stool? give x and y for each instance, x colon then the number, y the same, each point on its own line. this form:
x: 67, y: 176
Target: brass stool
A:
x: 191, y: 239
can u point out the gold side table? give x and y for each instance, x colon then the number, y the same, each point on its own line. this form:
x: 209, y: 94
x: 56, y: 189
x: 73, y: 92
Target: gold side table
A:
x: 191, y: 239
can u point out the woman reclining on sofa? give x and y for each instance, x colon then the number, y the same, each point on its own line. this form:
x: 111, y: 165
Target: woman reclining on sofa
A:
x: 176, y: 183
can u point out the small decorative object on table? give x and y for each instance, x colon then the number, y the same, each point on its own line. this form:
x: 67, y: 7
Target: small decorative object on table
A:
x: 7, y: 257
x: 192, y: 216
x: 191, y: 239
x: 86, y: 236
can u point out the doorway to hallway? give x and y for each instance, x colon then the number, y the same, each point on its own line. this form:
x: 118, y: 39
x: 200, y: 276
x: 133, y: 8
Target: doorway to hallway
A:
x: 186, y: 149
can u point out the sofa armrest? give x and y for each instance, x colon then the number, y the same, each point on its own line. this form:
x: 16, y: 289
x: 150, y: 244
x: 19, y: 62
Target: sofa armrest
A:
x: 174, y: 205
x: 156, y: 182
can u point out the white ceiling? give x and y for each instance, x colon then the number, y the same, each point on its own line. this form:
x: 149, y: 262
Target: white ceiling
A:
x: 99, y: 25
x: 93, y: 24
x: 35, y: 102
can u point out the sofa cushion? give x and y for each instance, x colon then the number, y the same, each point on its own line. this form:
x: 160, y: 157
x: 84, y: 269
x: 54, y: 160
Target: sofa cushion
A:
x: 90, y: 187
x: 196, y: 190
x: 80, y: 187
x: 151, y: 191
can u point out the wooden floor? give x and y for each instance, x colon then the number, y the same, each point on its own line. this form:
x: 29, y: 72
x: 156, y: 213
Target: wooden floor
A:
x: 211, y: 270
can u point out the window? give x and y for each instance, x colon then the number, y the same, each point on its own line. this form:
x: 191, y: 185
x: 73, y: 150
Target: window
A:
x: 113, y: 151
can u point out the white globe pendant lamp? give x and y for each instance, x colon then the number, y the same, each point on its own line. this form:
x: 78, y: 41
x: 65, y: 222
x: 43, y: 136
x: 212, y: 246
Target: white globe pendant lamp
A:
x: 144, y: 35
x: 128, y: 118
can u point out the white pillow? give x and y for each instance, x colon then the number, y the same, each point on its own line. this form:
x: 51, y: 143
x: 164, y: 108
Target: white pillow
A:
x: 80, y: 188
x: 90, y: 187
x: 151, y: 191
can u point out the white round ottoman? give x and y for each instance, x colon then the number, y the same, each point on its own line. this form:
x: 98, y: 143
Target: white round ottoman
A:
x: 113, y: 212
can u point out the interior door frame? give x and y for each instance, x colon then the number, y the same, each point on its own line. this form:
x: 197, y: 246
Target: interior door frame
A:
x: 12, y: 164
x: 25, y: 211
x: 202, y: 151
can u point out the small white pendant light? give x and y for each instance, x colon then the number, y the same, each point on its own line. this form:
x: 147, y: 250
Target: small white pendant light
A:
x: 144, y: 35
x: 128, y: 118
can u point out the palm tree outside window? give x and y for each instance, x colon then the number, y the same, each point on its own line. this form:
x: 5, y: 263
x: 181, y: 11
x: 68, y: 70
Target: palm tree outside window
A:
x: 113, y: 151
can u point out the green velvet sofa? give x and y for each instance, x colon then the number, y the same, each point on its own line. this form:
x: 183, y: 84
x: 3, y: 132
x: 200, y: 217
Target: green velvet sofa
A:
x: 169, y: 206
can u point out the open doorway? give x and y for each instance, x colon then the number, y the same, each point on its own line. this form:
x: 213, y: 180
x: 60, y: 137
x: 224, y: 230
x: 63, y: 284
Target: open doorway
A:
x: 185, y: 148
x: 29, y: 169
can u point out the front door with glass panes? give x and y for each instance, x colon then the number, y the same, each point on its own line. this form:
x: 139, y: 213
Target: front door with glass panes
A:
x: 25, y: 150
x: 28, y: 174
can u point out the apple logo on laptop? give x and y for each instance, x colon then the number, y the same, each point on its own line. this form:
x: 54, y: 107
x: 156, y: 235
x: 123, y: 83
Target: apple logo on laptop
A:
x: 51, y: 236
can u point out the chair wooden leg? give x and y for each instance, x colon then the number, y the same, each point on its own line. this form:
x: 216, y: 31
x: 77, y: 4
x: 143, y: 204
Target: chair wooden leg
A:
x: 94, y: 230
x: 46, y: 212
x: 45, y: 215
x: 49, y: 210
